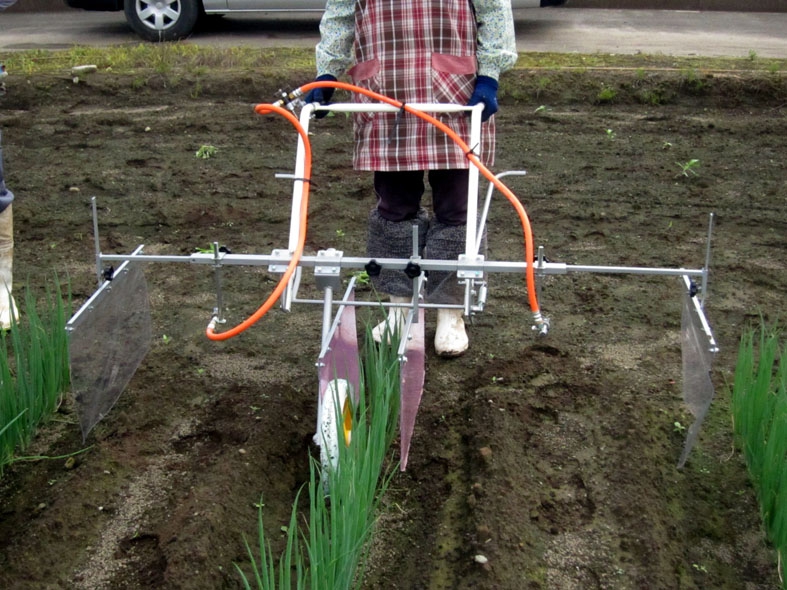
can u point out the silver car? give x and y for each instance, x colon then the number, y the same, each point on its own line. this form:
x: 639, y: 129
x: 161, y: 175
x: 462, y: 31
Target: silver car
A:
x: 170, y: 20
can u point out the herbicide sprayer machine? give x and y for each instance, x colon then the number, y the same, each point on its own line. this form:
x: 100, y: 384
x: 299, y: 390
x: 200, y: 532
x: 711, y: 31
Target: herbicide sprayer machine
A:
x: 110, y: 334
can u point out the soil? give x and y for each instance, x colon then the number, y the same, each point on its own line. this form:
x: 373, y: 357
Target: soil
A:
x: 553, y: 458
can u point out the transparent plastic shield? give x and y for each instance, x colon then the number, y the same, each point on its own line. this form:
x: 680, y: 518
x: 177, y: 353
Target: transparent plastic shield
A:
x: 698, y: 348
x: 107, y: 340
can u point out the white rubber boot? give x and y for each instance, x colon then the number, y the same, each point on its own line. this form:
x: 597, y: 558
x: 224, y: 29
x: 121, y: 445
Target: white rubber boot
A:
x: 394, y: 323
x: 7, y: 303
x: 450, y: 339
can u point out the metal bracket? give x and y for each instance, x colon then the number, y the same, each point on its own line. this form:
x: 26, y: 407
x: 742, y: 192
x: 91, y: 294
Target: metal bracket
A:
x: 327, y: 273
x: 470, y: 274
x: 285, y: 257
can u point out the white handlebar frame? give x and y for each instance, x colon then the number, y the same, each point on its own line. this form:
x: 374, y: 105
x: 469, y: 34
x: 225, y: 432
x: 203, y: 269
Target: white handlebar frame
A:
x: 474, y: 141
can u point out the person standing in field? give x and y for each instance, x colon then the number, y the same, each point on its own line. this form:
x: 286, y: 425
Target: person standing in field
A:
x: 7, y: 303
x: 8, y: 309
x: 418, y: 51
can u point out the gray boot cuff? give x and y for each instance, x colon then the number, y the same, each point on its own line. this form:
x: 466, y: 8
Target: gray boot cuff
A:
x: 444, y: 242
x: 394, y: 239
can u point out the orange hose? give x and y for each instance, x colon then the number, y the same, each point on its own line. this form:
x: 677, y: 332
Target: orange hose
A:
x: 264, y: 109
x: 296, y: 256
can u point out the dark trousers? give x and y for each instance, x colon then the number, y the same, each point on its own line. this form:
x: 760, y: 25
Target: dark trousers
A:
x: 399, y: 194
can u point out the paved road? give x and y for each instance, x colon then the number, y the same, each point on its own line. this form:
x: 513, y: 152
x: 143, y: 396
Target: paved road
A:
x: 554, y: 29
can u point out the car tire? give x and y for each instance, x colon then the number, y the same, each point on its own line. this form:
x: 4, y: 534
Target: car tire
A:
x: 163, y: 20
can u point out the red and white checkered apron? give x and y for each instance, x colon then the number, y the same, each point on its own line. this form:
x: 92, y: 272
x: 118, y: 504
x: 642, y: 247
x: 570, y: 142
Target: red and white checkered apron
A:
x: 415, y: 51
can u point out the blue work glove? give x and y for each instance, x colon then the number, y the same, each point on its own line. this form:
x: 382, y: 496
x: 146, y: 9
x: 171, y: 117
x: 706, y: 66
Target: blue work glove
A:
x: 485, y: 92
x: 320, y: 95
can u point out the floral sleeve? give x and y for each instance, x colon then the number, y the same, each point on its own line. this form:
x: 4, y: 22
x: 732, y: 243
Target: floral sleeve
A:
x: 496, y: 42
x: 337, y: 28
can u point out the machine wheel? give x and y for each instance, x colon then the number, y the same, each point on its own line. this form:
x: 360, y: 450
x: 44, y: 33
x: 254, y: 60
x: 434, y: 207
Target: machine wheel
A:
x: 163, y: 20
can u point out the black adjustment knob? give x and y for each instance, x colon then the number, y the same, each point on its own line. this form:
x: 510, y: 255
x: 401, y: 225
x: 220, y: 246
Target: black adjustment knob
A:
x: 412, y: 270
x: 372, y: 268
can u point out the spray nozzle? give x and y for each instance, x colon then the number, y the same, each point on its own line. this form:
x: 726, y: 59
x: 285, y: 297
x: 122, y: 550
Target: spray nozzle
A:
x: 290, y: 100
x: 540, y: 325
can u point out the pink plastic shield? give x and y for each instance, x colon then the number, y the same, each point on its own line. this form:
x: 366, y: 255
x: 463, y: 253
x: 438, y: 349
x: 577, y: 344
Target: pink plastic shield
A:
x: 412, y: 385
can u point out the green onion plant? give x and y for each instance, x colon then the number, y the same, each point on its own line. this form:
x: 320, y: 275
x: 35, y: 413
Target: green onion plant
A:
x: 759, y: 408
x: 330, y: 551
x: 34, y: 371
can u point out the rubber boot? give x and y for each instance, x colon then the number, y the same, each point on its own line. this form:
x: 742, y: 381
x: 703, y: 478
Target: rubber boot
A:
x: 446, y: 242
x: 394, y: 323
x: 450, y: 338
x: 7, y: 304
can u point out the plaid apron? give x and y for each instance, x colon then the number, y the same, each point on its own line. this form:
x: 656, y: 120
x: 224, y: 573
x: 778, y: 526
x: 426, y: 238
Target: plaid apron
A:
x: 415, y: 51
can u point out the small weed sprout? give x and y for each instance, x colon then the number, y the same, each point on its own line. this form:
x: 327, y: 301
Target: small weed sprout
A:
x: 197, y: 90
x: 610, y: 134
x: 340, y: 233
x: 206, y: 151
x: 652, y: 97
x: 678, y: 427
x: 689, y: 168
x: 540, y: 109
x: 692, y: 81
x: 752, y: 55
x: 606, y: 94
x: 542, y: 84
x: 210, y: 248
x: 666, y: 145
x: 362, y: 278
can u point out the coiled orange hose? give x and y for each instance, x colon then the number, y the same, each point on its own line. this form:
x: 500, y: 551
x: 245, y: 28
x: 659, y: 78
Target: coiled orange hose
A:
x: 264, y: 109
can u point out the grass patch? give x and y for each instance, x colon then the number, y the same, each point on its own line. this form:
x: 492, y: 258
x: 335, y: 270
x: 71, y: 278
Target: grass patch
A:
x: 160, y: 58
x: 640, y: 64
x: 187, y: 57
x: 553, y: 78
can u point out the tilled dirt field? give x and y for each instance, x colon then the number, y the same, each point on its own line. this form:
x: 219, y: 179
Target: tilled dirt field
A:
x: 554, y: 458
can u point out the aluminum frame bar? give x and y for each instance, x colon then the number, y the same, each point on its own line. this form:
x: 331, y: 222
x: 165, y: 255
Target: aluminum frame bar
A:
x: 358, y: 263
x: 103, y: 286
